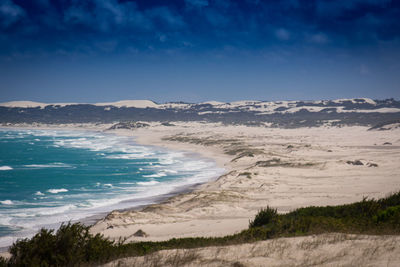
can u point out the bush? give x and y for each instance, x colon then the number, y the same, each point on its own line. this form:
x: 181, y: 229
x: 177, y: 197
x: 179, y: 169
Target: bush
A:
x: 71, y: 245
x: 391, y: 214
x: 264, y: 217
x: 3, y: 262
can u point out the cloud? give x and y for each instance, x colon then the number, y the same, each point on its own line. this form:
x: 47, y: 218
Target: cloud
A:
x: 162, y: 38
x: 216, y: 18
x: 105, y: 15
x: 78, y: 15
x: 318, y: 38
x: 112, y: 15
x: 10, y: 13
x: 166, y: 17
x: 224, y: 4
x: 204, y: 24
x: 282, y: 34
x: 336, y: 8
x: 196, y: 3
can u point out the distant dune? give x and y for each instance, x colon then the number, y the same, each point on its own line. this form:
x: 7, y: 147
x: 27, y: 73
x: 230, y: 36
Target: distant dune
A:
x: 362, y: 105
x: 130, y: 104
x: 289, y: 114
x: 32, y: 104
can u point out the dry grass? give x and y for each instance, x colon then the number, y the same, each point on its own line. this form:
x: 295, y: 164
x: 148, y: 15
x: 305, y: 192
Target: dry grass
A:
x: 320, y: 250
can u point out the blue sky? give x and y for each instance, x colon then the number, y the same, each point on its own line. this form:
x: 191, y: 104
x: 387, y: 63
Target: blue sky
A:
x: 198, y: 50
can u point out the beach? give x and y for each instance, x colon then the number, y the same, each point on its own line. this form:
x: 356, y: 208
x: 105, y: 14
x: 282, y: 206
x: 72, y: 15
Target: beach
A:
x: 282, y: 168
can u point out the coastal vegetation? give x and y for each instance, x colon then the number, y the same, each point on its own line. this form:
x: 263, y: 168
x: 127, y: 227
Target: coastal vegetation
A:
x: 73, y: 244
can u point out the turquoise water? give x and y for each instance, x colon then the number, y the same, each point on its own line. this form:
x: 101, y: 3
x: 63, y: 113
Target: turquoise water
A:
x: 53, y: 176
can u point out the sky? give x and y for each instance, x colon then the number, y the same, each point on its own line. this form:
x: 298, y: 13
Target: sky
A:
x: 198, y: 50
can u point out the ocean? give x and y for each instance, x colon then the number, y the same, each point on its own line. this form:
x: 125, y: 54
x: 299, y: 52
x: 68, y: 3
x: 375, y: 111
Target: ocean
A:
x: 52, y: 176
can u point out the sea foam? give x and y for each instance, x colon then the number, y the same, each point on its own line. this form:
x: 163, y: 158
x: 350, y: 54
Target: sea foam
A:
x: 148, y: 183
x: 6, y: 202
x: 56, y: 191
x: 52, y: 165
x: 160, y: 174
x: 5, y: 168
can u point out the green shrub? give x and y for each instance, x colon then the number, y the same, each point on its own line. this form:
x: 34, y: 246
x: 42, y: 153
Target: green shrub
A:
x: 71, y: 245
x: 264, y: 217
x: 3, y: 262
x: 390, y: 214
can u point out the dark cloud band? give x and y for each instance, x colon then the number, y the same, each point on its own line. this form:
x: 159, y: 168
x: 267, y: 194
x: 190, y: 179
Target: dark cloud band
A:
x: 198, y: 25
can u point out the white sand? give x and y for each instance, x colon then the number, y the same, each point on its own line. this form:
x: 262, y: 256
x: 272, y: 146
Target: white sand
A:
x: 312, y: 170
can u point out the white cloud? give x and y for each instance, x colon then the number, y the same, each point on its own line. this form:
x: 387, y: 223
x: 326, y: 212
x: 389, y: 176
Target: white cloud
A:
x: 10, y: 13
x: 106, y: 14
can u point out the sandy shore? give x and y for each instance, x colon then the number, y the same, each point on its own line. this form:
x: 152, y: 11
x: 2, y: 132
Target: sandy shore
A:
x: 283, y: 168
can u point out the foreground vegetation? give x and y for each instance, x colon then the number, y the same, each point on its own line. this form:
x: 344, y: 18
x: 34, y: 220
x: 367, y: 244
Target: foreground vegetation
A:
x: 73, y: 245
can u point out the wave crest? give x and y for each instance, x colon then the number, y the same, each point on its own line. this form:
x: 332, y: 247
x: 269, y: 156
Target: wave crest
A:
x: 5, y: 168
x: 56, y: 191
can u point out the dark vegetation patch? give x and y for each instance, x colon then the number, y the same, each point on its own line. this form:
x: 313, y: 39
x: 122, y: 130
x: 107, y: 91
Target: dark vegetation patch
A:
x: 354, y: 162
x: 140, y: 233
x: 129, y: 125
x: 167, y: 124
x: 243, y: 151
x: 277, y: 162
x: 381, y: 126
x: 245, y: 154
x: 206, y: 141
x: 359, y: 163
x: 247, y: 174
x: 263, y: 217
x: 233, y: 147
x: 73, y: 245
x: 370, y: 164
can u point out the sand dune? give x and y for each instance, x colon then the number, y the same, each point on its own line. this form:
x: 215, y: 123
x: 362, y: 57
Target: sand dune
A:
x: 283, y: 168
x: 130, y: 104
x: 322, y: 250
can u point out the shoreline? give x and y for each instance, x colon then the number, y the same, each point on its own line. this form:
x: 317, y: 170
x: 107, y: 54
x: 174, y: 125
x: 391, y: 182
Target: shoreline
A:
x: 282, y: 168
x: 158, y: 199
